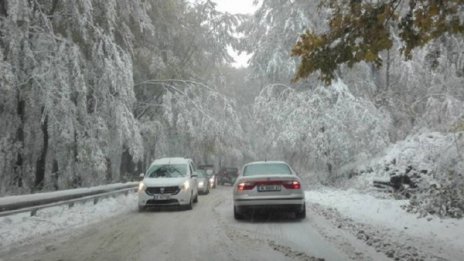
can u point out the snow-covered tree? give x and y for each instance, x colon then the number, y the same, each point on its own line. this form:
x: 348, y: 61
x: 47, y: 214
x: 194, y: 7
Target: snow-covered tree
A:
x: 67, y: 92
x: 320, y: 129
x: 194, y: 120
x: 271, y: 30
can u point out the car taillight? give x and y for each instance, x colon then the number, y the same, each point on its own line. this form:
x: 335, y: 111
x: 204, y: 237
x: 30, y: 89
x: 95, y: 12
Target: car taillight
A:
x: 292, y: 185
x: 245, y: 186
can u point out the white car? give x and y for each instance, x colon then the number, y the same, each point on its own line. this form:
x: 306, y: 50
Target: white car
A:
x: 268, y: 185
x: 169, y: 182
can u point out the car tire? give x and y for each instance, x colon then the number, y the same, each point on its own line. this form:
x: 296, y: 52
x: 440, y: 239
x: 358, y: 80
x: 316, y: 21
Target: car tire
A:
x: 237, y: 215
x: 189, y: 206
x: 301, y: 214
x: 195, y: 200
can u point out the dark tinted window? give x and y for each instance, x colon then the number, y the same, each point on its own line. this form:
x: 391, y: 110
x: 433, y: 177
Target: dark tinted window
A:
x: 266, y: 169
x: 167, y: 171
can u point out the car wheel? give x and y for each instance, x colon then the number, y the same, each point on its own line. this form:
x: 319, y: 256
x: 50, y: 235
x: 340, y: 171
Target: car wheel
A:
x: 190, y: 204
x: 237, y: 215
x: 301, y: 214
x: 195, y: 200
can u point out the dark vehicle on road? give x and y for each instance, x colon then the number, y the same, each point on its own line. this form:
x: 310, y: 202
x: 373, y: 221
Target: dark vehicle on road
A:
x: 227, y: 175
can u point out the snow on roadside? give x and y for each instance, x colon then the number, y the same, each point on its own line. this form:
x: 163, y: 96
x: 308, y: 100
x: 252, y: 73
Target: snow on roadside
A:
x: 434, y: 153
x: 387, y: 214
x: 60, y: 193
x: 23, y: 228
x: 434, y: 165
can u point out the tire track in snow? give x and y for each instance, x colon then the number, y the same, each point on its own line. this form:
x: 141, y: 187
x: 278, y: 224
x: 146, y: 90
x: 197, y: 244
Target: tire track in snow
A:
x: 382, y: 241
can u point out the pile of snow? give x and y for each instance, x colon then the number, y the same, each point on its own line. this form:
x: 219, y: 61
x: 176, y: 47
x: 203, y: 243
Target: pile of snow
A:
x: 388, y: 215
x: 23, y: 228
x: 434, y: 161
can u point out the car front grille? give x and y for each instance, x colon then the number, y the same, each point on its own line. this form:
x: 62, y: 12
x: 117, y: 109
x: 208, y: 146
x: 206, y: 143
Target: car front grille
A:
x: 153, y: 202
x: 173, y: 190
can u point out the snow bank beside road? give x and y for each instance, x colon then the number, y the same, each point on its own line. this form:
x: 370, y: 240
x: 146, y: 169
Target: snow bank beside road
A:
x: 432, y: 161
x: 22, y: 228
x: 388, y: 214
x: 432, y: 154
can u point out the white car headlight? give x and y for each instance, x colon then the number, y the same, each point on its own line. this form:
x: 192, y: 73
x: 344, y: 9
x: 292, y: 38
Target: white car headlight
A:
x: 142, y: 186
x: 201, y: 184
x: 185, y: 185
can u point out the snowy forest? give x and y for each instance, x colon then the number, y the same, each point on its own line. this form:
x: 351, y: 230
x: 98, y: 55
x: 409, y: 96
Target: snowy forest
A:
x: 92, y: 91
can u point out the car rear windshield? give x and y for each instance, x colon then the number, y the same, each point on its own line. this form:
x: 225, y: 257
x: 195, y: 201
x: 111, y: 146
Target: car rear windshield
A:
x: 266, y: 169
x: 201, y: 173
x: 167, y: 171
x: 208, y: 168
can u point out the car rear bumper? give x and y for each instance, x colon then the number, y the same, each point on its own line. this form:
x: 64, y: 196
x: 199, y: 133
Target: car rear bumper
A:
x: 269, y: 202
x: 276, y: 207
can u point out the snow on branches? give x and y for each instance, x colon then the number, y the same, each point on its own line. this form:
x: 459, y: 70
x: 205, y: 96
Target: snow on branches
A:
x: 195, y: 121
x: 69, y: 88
x: 323, y: 128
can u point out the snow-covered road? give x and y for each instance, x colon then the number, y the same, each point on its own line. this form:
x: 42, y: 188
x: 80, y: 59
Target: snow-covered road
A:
x: 209, y: 232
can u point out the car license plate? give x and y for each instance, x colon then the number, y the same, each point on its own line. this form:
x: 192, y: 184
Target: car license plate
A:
x: 161, y: 196
x: 263, y: 188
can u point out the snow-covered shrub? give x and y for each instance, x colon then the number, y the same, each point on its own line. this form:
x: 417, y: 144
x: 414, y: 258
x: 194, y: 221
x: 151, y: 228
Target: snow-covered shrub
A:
x: 445, y: 199
x: 434, y: 162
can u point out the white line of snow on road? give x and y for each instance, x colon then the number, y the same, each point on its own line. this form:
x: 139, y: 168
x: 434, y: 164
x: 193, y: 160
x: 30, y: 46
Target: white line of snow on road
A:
x: 387, y: 213
x: 22, y: 228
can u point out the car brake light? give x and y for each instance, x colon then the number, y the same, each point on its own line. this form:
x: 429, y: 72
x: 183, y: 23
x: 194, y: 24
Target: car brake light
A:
x: 292, y: 185
x: 245, y: 186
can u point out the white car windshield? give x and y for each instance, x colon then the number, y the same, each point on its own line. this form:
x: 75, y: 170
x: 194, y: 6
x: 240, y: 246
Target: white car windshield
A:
x: 266, y: 169
x: 167, y: 171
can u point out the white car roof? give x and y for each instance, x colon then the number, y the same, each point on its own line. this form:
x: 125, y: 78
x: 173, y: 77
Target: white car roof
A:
x: 176, y: 160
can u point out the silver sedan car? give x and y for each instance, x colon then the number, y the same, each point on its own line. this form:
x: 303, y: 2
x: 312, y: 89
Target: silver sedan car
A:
x: 268, y: 185
x: 203, y: 182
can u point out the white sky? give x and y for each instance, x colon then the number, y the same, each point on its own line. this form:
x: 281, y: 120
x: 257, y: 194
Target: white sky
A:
x: 237, y: 7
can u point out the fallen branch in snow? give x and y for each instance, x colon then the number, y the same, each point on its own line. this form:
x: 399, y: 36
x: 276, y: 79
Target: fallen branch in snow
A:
x: 400, y: 183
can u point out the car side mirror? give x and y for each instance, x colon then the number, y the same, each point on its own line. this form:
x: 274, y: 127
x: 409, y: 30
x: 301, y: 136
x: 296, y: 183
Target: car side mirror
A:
x: 141, y: 175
